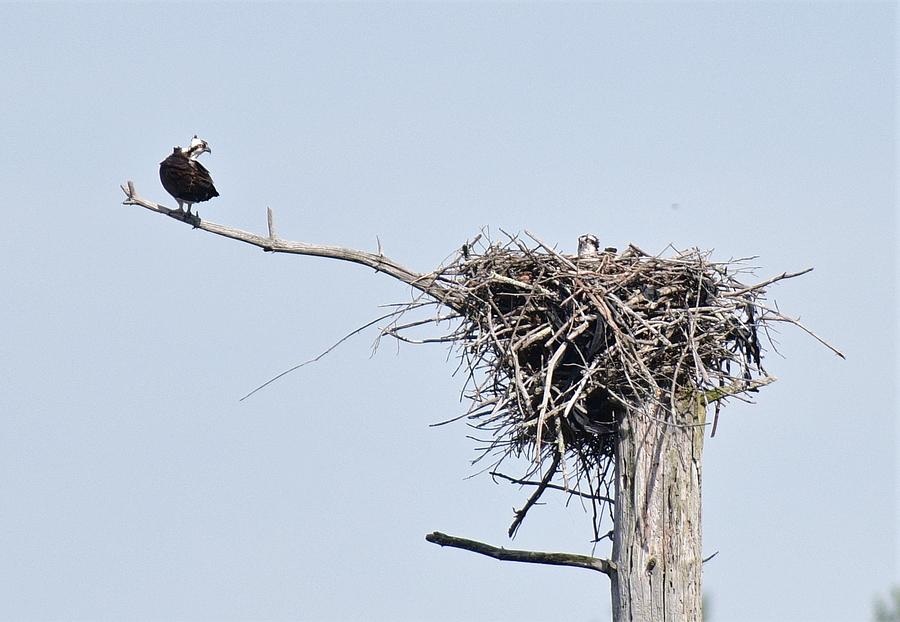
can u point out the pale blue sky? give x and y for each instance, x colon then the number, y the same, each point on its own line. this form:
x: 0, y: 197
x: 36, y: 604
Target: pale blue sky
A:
x: 134, y: 486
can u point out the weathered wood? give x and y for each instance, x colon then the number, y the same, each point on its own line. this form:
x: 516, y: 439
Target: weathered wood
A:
x: 425, y: 283
x: 530, y: 557
x: 656, y: 543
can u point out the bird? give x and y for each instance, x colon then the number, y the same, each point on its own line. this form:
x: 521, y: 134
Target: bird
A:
x: 186, y: 179
x: 588, y: 245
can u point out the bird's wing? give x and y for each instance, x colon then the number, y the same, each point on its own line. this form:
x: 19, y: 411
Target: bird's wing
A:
x: 202, y: 181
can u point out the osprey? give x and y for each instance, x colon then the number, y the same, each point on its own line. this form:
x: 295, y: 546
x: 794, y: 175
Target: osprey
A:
x: 185, y: 178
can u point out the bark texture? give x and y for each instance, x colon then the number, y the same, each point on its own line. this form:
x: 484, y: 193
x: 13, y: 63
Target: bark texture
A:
x: 656, y: 544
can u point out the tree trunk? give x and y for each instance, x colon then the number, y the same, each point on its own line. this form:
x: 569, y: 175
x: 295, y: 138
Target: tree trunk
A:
x: 656, y: 544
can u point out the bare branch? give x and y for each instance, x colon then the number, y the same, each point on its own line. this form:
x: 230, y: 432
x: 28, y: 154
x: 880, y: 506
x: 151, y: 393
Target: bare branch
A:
x: 423, y: 282
x: 531, y: 557
x: 735, y: 388
x: 775, y: 315
x: 780, y: 277
x: 568, y: 491
x: 545, y: 481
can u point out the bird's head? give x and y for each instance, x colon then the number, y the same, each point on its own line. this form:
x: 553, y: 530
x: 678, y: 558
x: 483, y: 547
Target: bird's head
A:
x: 197, y: 148
x: 588, y: 245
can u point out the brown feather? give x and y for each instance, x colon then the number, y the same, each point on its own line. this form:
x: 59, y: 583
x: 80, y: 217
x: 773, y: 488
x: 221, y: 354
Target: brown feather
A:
x: 185, y: 179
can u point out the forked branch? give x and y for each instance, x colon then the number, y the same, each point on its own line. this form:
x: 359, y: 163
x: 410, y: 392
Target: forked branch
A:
x: 380, y: 263
x: 529, y: 557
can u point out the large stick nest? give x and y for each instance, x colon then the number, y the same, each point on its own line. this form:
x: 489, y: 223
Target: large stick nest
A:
x: 557, y: 349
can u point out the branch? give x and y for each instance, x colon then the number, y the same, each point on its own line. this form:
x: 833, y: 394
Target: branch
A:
x: 775, y: 315
x: 568, y: 491
x: 423, y: 282
x: 774, y: 279
x: 531, y: 557
x: 736, y: 387
x: 545, y: 481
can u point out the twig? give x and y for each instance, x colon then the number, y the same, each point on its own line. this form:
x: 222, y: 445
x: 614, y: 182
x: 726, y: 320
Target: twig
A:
x: 780, y: 277
x: 552, y: 251
x: 783, y: 318
x: 313, y: 360
x: 545, y: 481
x: 568, y: 491
x: 543, y: 410
x: 505, y: 279
x: 738, y: 386
x: 530, y: 557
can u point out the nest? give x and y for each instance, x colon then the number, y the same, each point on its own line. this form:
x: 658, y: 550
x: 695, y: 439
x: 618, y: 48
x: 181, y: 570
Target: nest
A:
x: 556, y: 349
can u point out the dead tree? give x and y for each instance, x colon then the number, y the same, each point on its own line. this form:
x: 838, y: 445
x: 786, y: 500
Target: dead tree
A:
x: 597, y: 368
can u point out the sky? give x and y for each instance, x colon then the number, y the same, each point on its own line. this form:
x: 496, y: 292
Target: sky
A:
x: 135, y: 486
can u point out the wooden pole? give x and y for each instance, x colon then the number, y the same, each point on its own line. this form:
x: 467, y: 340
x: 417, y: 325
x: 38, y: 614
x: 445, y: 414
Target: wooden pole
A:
x: 657, y: 538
